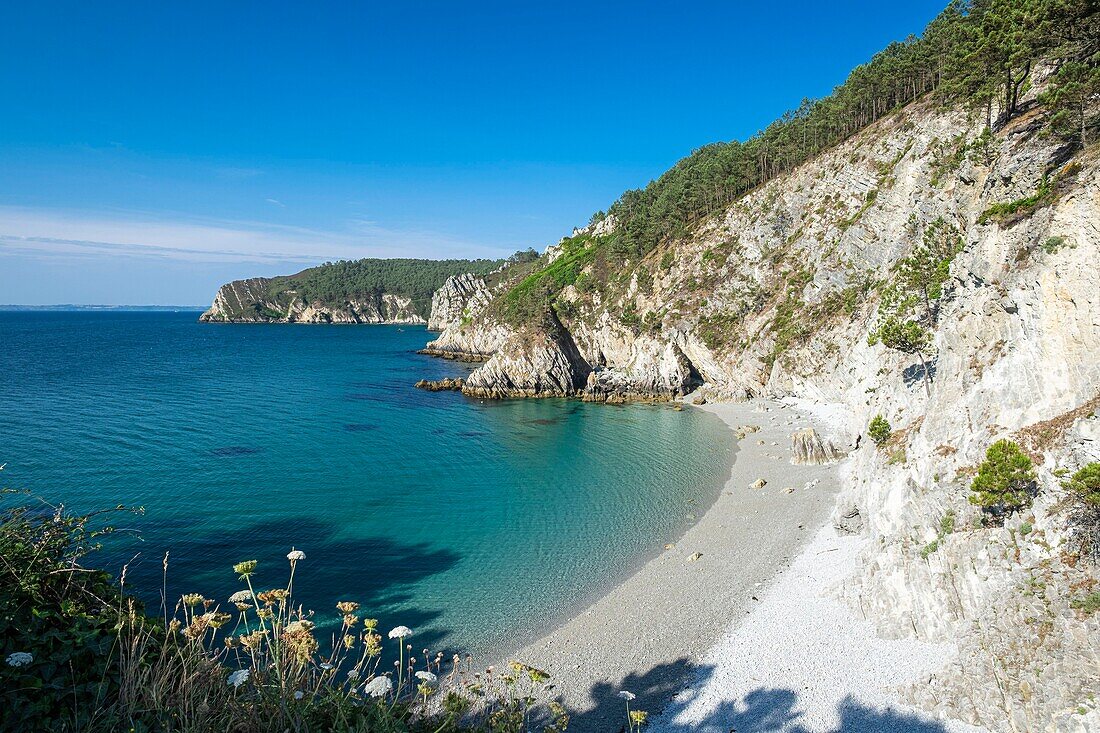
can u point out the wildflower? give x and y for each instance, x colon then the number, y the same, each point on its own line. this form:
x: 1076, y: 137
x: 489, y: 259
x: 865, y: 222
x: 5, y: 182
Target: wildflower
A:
x: 349, y: 640
x: 628, y: 696
x: 370, y: 624
x: 254, y: 640
x: 239, y: 677
x: 295, y: 555
x: 193, y: 599
x: 424, y: 689
x: 353, y: 674
x: 298, y: 694
x: 326, y: 666
x: 218, y: 619
x: 241, y: 596
x: 19, y: 659
x: 400, y: 632
x: 378, y: 687
x: 638, y: 717
x: 373, y: 643
x: 298, y: 636
x: 245, y: 569
x: 346, y: 607
x: 426, y: 677
x: 271, y: 596
x: 350, y: 620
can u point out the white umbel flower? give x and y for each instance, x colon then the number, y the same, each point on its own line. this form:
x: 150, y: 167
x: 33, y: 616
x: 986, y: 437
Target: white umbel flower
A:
x: 378, y: 687
x: 239, y: 677
x: 241, y: 596
x: 298, y: 694
x: 400, y: 632
x: 427, y: 677
x: 295, y: 555
x: 19, y: 659
x: 628, y: 696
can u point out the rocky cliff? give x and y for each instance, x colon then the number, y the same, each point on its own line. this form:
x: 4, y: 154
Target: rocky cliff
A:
x: 350, y: 291
x: 250, y: 301
x: 777, y: 294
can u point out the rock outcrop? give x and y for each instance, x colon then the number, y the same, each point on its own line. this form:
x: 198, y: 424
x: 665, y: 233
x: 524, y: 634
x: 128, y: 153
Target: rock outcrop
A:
x: 459, y: 298
x: 533, y: 363
x: 808, y: 447
x: 448, y: 384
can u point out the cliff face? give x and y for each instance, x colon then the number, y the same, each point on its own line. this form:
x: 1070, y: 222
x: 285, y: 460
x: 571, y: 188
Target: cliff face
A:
x: 250, y: 301
x: 776, y: 296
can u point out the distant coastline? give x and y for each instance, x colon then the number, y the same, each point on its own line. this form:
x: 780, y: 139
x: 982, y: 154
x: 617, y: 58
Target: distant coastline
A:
x: 11, y: 307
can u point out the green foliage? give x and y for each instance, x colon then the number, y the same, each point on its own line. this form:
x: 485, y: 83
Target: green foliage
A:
x: 719, y: 329
x: 908, y: 309
x: 1088, y: 604
x: 977, y: 51
x: 1053, y: 244
x: 879, y: 430
x: 61, y: 613
x: 530, y: 301
x: 1009, y: 212
x: 1085, y: 484
x: 1069, y: 94
x: 1005, y: 482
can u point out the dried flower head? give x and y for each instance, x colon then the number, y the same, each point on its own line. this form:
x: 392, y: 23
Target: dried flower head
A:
x: 346, y: 607
x: 274, y: 595
x: 218, y: 619
x: 193, y: 599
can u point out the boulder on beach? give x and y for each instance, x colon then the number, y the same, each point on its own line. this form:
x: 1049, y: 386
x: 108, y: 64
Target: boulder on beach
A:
x: 809, y: 448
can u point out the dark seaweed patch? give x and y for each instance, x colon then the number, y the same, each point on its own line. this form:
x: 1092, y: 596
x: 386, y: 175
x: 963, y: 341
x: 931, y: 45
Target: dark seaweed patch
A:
x: 235, y: 450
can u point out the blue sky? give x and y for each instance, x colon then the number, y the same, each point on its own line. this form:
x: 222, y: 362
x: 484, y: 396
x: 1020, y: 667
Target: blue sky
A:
x: 151, y: 151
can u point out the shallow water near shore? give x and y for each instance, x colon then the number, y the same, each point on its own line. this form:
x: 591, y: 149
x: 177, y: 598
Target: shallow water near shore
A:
x: 473, y: 522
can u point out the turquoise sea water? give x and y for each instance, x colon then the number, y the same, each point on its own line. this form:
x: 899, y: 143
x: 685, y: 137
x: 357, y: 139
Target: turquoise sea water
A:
x: 476, y: 523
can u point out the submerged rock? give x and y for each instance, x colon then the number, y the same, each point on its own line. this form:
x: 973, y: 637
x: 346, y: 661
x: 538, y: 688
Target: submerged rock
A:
x: 442, y: 385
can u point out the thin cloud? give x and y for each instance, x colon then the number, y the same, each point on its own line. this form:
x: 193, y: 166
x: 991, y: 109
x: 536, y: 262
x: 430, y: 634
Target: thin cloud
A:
x: 43, y: 233
x: 277, y: 202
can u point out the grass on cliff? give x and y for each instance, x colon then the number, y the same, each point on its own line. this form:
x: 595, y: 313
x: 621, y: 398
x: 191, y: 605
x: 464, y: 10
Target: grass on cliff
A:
x: 80, y: 654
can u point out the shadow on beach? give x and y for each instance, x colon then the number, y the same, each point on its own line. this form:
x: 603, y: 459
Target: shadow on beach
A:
x: 763, y: 710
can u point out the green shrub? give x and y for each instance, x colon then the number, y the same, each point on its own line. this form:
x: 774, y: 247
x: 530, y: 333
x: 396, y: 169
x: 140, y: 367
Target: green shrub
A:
x: 1085, y: 484
x: 879, y: 430
x: 1084, y: 488
x: 1005, y: 482
x: 1087, y: 605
